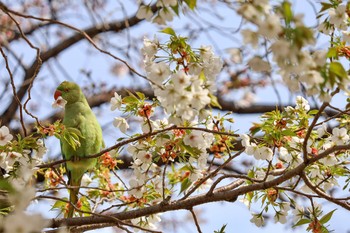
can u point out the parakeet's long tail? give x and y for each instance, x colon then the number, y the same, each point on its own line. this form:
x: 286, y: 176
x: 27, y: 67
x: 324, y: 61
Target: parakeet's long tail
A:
x: 73, y: 196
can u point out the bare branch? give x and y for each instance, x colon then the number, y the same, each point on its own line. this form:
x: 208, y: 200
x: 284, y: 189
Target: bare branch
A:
x: 115, y: 26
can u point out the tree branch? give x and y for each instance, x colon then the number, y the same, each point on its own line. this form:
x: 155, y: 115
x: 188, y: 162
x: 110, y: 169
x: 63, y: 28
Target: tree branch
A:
x: 115, y: 26
x: 222, y: 194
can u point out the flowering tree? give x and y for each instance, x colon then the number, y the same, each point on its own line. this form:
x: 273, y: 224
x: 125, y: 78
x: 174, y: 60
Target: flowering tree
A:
x: 183, y: 148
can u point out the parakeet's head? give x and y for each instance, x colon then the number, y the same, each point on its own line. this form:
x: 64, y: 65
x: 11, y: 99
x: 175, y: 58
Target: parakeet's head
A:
x: 69, y: 91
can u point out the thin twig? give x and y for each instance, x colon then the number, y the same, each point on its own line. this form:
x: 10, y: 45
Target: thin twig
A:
x: 14, y: 90
x: 195, y: 220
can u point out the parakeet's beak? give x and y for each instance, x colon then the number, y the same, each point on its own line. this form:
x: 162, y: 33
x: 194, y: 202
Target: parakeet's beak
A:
x: 57, y: 94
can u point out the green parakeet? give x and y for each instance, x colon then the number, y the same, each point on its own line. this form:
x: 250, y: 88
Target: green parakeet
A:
x: 78, y: 115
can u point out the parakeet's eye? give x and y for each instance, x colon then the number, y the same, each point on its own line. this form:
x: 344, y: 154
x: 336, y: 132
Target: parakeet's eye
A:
x: 66, y: 90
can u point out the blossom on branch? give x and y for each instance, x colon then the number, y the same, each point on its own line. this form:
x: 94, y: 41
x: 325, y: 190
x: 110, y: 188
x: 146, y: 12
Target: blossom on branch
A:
x: 5, y: 136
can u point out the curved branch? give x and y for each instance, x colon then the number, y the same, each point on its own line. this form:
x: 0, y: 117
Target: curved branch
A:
x: 115, y: 26
x: 30, y: 31
x: 344, y: 204
x: 105, y: 97
x: 222, y: 194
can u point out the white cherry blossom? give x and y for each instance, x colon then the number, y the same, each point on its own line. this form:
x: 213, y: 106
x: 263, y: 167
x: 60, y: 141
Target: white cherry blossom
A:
x: 346, y: 36
x: 329, y: 160
x: 200, y: 96
x: 270, y: 27
x: 340, y: 136
x: 159, y: 72
x: 259, y: 65
x: 338, y: 16
x: 245, y: 140
x: 322, y: 130
x: 150, y: 47
x: 251, y: 149
x: 19, y: 221
x: 116, y: 101
x: 59, y: 102
x: 281, y: 217
x: 298, y: 213
x: 181, y: 79
x: 258, y: 220
x: 235, y: 55
x: 302, y: 104
x: 144, y: 12
x: 137, y: 188
x: 263, y: 153
x: 5, y: 136
x: 324, y: 28
x: 320, y: 57
x: 121, y: 123
x: 166, y: 14
x: 311, y: 78
x: 250, y: 37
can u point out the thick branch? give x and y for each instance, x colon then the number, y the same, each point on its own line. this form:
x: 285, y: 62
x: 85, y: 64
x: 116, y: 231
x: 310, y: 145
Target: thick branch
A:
x: 105, y: 97
x: 221, y: 194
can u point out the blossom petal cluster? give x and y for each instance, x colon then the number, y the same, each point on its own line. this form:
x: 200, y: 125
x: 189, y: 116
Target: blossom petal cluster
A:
x: 183, y: 93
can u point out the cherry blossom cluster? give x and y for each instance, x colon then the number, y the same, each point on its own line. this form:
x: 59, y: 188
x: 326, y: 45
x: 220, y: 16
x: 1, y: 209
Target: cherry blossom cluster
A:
x: 17, y: 153
x: 188, y: 88
x: 184, y: 83
x: 289, y: 40
x: 285, y: 133
x: 166, y: 10
x: 18, y: 162
x: 165, y: 13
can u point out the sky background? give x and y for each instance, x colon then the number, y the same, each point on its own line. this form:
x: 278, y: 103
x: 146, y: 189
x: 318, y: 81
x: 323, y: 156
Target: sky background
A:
x: 213, y: 215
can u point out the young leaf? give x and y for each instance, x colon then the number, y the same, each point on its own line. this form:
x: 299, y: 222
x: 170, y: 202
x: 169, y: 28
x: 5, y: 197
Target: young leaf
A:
x: 140, y: 95
x: 185, y: 184
x: 191, y: 3
x: 338, y: 69
x: 313, y: 112
x: 214, y: 101
x: 332, y: 52
x: 169, y: 31
x: 222, y: 230
x: 325, y: 6
x: 302, y: 222
x: 287, y: 11
x: 327, y: 217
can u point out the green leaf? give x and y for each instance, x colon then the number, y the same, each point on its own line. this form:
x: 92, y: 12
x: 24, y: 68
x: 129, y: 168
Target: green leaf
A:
x: 169, y: 31
x: 5, y: 185
x: 302, y: 222
x: 327, y: 217
x: 332, y: 52
x: 85, y: 206
x: 287, y: 11
x: 176, y: 9
x: 325, y: 6
x: 60, y: 204
x: 288, y: 132
x: 222, y: 230
x: 338, y: 69
x: 194, y: 152
x: 140, y: 95
x: 130, y: 100
x: 191, y: 4
x: 214, y: 101
x: 185, y: 184
x: 313, y: 112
